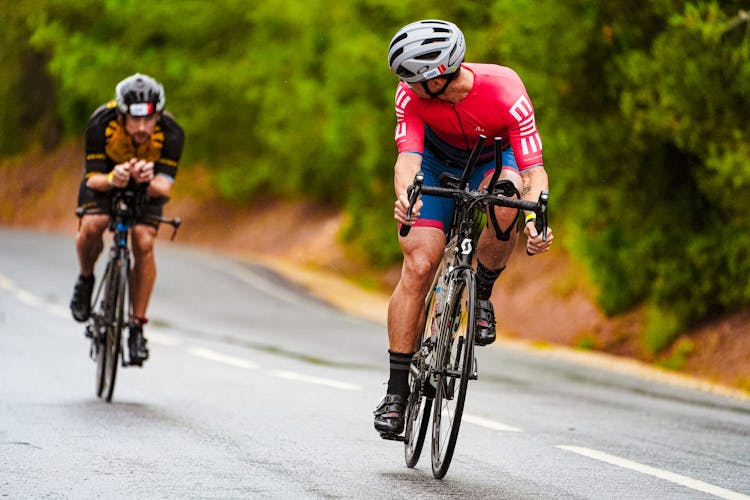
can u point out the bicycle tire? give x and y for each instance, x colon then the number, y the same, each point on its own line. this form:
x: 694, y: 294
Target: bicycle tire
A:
x: 419, y: 404
x: 102, y: 310
x: 455, y: 353
x: 113, y: 344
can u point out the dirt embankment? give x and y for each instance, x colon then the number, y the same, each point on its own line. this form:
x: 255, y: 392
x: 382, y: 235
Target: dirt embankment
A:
x: 542, y: 301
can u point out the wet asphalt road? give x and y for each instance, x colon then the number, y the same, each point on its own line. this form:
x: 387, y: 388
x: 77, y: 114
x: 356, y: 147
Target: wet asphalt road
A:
x: 257, y: 390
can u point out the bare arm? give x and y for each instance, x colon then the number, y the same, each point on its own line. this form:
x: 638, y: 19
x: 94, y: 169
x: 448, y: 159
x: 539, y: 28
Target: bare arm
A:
x: 140, y: 170
x: 407, y: 165
x: 535, y: 180
x: 117, y: 178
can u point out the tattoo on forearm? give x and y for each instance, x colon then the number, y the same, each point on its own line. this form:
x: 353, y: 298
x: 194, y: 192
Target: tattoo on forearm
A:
x: 527, y: 181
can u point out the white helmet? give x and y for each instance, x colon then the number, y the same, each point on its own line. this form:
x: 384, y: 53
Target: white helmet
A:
x: 139, y: 95
x: 426, y: 49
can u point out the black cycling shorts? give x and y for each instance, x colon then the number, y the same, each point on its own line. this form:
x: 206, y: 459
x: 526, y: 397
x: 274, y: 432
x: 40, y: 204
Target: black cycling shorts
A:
x: 91, y: 201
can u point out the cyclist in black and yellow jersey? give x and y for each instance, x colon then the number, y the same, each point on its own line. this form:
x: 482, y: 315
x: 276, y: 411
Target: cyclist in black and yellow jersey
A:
x: 130, y: 141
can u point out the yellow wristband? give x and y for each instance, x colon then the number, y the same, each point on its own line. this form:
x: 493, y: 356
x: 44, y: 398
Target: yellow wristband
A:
x: 110, y: 176
x: 530, y: 217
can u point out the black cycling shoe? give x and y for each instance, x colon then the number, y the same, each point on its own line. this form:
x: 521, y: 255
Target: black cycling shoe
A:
x: 485, y: 323
x: 138, y: 345
x: 80, y: 304
x: 389, y: 415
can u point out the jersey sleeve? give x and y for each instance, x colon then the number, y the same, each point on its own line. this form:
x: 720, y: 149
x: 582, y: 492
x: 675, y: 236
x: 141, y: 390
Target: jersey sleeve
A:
x: 174, y: 139
x: 409, y: 133
x: 95, y: 149
x: 523, y: 134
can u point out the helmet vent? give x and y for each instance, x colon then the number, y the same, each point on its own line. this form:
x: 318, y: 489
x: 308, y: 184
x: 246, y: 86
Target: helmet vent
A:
x: 404, y: 73
x: 396, y: 53
x: 429, y: 56
x: 398, y: 39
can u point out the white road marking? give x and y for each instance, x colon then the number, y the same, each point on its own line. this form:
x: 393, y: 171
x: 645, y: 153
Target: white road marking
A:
x: 315, y: 380
x: 688, y: 482
x: 35, y: 301
x: 28, y: 298
x: 489, y: 424
x: 285, y: 374
x: 6, y: 283
x: 221, y: 358
x: 162, y: 339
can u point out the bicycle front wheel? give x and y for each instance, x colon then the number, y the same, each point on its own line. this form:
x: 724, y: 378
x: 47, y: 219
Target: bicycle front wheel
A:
x: 113, y: 339
x: 419, y: 404
x: 102, y: 317
x: 455, y: 365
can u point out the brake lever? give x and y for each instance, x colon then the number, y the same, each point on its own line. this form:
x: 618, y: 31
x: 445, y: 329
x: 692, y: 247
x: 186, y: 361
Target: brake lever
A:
x: 540, y: 223
x: 175, y: 226
x: 414, y: 190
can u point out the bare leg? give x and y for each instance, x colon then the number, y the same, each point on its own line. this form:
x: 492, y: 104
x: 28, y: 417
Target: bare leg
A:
x: 423, y: 249
x: 143, y: 275
x: 494, y: 253
x: 89, y: 242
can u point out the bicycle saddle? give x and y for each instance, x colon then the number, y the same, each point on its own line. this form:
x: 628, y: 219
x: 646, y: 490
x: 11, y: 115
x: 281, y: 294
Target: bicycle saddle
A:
x: 448, y: 180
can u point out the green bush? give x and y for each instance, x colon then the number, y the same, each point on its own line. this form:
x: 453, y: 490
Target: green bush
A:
x: 640, y: 106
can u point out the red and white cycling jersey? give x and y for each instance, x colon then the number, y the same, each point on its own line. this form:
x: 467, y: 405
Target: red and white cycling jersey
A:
x: 497, y: 106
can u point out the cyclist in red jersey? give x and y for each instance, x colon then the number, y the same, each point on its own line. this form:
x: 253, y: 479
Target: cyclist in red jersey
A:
x: 129, y: 141
x: 443, y: 105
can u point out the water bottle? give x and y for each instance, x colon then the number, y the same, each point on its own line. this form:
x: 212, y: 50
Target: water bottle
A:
x: 439, y: 296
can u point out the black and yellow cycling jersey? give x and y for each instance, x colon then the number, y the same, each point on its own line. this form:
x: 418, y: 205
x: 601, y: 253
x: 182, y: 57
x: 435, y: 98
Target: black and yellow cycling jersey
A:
x: 108, y: 144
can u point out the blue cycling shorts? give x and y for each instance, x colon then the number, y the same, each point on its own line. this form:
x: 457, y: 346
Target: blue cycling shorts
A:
x: 438, y: 211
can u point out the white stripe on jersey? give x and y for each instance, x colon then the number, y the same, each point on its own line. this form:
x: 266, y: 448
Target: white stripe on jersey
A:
x: 402, y: 99
x: 533, y: 142
x: 400, y: 130
x: 521, y: 109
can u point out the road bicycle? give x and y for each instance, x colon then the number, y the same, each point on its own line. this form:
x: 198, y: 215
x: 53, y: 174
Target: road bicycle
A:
x: 444, y: 361
x: 112, y: 310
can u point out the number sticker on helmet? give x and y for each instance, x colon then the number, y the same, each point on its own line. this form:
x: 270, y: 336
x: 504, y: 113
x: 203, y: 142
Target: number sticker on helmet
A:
x: 141, y: 109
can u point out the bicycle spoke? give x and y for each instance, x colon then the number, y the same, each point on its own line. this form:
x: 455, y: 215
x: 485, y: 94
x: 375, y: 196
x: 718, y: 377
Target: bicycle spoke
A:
x: 420, y: 401
x: 456, y: 354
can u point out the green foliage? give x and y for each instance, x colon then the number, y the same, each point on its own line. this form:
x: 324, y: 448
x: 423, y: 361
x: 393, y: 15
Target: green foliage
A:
x: 27, y: 107
x: 641, y: 105
x: 663, y: 326
x: 681, y: 351
x: 586, y: 342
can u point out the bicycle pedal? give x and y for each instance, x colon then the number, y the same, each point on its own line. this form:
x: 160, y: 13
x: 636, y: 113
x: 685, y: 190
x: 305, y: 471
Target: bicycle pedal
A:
x: 391, y: 437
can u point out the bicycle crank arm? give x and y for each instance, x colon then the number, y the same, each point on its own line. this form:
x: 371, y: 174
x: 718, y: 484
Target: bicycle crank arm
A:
x: 457, y: 374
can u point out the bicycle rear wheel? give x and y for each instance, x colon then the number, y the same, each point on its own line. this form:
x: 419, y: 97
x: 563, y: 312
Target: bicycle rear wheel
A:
x: 419, y: 404
x: 113, y: 342
x: 455, y: 353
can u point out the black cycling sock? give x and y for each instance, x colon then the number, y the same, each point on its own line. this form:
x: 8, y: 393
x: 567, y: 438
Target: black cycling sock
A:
x: 486, y: 280
x: 398, y: 383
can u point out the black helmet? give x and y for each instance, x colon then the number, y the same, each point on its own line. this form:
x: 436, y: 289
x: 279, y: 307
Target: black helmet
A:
x: 139, y: 95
